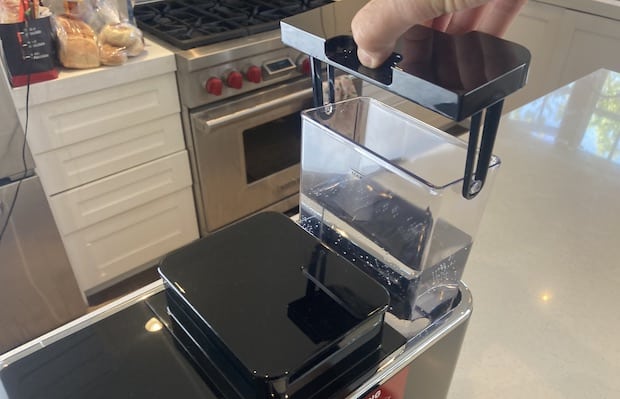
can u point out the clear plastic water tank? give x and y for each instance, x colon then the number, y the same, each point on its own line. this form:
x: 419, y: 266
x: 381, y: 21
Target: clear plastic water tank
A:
x: 383, y: 189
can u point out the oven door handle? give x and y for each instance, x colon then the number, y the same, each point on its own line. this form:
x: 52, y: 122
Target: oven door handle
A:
x: 260, y: 108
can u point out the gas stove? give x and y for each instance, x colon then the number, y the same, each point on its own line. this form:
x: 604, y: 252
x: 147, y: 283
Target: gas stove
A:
x: 225, y: 48
x: 191, y: 23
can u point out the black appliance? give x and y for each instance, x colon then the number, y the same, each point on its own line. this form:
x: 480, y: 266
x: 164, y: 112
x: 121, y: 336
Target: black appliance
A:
x: 273, y: 310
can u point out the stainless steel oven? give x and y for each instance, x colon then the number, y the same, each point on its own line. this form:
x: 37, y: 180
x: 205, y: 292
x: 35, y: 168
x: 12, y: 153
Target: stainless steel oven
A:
x: 241, y: 92
x: 247, y: 153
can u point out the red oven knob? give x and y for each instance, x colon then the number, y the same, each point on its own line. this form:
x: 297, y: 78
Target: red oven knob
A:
x: 234, y: 80
x: 254, y: 74
x: 304, y: 65
x: 214, y: 86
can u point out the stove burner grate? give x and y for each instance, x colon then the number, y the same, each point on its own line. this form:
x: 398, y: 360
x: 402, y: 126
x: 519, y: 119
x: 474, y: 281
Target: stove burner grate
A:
x: 191, y: 23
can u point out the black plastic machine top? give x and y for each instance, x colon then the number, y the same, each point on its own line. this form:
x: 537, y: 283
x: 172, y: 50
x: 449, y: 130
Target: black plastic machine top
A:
x: 271, y: 305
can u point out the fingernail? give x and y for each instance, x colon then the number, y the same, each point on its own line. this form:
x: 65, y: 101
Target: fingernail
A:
x: 366, y: 59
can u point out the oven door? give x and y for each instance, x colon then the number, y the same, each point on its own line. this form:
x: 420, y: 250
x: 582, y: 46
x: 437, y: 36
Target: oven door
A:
x: 247, y: 153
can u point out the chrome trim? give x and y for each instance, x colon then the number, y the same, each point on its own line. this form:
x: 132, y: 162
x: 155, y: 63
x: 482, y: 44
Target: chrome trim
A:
x: 422, y: 341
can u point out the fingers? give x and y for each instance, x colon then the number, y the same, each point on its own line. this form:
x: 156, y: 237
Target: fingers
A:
x: 500, y: 15
x: 466, y: 20
x: 441, y: 23
x: 380, y: 23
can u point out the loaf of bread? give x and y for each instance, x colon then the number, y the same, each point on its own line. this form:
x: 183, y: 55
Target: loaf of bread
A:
x: 77, y: 43
x: 120, y: 35
x: 123, y: 35
x: 136, y: 48
x: 11, y: 11
x: 112, y: 55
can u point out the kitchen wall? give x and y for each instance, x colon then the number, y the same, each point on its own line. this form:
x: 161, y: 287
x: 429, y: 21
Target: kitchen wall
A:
x: 568, y: 39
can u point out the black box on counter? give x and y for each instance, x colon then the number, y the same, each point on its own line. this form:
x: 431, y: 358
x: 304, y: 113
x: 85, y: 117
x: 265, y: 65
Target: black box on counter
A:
x: 272, y: 308
x: 29, y: 52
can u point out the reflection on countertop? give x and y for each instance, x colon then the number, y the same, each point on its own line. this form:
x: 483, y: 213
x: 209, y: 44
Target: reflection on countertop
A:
x: 583, y: 115
x: 545, y: 269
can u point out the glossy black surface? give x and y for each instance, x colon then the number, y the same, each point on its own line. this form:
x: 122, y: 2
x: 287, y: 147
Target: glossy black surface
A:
x: 274, y: 298
x: 191, y: 23
x: 342, y: 378
x: 116, y: 357
x: 455, y: 75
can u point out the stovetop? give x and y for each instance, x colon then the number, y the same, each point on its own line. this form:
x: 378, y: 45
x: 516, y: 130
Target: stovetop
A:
x: 188, y: 24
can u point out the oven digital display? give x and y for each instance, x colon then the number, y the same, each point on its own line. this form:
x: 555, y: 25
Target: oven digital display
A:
x: 279, y: 65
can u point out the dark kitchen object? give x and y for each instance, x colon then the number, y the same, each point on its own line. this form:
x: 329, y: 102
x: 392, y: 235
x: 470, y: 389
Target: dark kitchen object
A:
x: 191, y: 23
x: 458, y: 76
x: 120, y: 356
x: 271, y: 306
x: 29, y: 51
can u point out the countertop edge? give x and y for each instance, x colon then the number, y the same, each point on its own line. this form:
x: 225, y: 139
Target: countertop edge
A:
x: 154, y: 61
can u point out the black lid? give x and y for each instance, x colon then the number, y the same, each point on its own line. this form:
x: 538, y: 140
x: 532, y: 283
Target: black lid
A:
x: 273, y: 295
x: 454, y: 75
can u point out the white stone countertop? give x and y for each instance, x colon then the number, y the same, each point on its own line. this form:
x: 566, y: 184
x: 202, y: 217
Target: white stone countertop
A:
x: 155, y: 60
x: 545, y: 267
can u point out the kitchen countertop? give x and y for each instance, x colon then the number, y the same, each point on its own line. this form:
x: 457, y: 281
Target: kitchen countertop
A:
x: 602, y: 8
x: 545, y: 266
x: 155, y: 60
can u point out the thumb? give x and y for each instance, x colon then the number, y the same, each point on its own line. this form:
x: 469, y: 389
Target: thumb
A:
x: 378, y: 25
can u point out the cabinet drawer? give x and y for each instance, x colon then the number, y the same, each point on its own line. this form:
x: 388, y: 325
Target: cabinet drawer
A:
x: 85, y: 161
x: 120, y: 193
x: 82, y: 117
x: 120, y: 244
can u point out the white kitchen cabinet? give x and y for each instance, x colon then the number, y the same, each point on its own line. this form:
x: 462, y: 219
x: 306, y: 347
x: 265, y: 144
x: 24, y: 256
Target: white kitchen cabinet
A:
x: 85, y: 161
x: 594, y: 43
x: 109, y: 149
x: 74, y: 119
x: 567, y: 42
x: 538, y: 28
x: 115, y: 195
x: 114, y: 225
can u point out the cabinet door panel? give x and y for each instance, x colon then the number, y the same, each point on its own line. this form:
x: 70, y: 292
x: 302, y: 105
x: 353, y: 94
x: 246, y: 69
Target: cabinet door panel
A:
x: 539, y: 28
x: 594, y: 44
x: 86, y: 161
x: 74, y: 119
x: 103, y: 253
x: 120, y: 193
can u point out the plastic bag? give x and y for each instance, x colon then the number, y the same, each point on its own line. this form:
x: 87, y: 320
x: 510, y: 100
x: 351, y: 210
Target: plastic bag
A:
x: 11, y: 11
x: 116, y: 40
x: 123, y: 35
x: 77, y: 43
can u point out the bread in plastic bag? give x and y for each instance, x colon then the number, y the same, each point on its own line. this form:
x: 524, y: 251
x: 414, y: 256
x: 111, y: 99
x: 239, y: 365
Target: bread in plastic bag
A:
x: 77, y: 43
x: 112, y: 55
x: 11, y: 11
x: 123, y: 35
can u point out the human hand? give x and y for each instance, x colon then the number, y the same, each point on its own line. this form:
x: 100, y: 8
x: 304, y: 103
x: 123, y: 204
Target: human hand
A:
x: 379, y: 24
